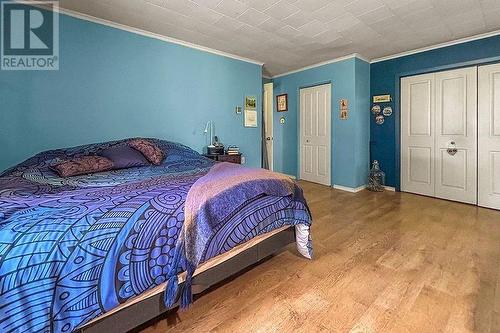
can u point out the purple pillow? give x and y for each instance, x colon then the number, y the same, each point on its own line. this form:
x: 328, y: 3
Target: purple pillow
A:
x: 124, y: 157
x: 82, y: 166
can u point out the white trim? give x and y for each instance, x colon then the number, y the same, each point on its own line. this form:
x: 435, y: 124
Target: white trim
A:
x: 390, y: 188
x: 150, y: 34
x: 331, y: 61
x: 437, y: 46
x: 267, y: 77
x: 349, y: 189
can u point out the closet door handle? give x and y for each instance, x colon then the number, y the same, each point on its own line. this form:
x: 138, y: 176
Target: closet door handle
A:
x: 452, y: 148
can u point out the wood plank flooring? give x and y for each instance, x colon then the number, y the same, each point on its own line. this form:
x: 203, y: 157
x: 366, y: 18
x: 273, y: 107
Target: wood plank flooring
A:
x: 384, y: 262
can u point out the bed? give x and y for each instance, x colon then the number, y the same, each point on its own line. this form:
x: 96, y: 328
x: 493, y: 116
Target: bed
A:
x: 76, y: 251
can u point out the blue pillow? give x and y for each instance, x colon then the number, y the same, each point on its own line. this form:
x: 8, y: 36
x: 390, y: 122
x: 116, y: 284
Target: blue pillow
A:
x: 124, y: 157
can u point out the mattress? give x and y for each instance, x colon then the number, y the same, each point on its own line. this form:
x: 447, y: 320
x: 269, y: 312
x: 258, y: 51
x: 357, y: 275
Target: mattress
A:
x: 202, y: 268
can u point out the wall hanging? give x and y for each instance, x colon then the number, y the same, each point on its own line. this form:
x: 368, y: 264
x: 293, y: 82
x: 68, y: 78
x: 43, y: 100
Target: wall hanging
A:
x: 376, y: 109
x: 250, y: 103
x: 282, y: 102
x: 387, y: 111
x: 344, y: 109
x: 250, y: 118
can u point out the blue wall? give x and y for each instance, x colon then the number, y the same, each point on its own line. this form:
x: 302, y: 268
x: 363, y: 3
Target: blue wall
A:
x: 114, y: 84
x: 349, y: 137
x: 385, y: 77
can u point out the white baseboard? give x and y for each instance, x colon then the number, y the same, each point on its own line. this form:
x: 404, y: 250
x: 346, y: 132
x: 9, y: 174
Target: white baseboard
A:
x: 284, y: 174
x: 349, y: 189
x: 360, y: 188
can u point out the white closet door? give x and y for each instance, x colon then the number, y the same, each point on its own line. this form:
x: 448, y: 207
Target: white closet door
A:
x: 315, y: 136
x: 489, y: 136
x: 417, y: 134
x: 456, y: 128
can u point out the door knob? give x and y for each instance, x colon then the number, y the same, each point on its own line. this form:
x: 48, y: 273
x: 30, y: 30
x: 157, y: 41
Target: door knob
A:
x: 268, y: 138
x: 452, y: 149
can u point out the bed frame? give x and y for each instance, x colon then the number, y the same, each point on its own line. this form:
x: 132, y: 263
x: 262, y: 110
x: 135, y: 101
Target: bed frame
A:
x: 141, y: 312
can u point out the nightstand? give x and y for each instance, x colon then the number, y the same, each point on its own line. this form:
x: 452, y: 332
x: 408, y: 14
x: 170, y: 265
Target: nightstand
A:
x: 225, y: 158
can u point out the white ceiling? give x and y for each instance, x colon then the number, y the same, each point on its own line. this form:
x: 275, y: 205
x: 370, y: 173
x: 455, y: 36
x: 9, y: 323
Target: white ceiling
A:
x: 289, y: 34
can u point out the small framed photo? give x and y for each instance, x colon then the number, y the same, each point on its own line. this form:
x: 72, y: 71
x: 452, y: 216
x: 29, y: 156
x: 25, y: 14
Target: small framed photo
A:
x: 282, y: 102
x: 250, y: 103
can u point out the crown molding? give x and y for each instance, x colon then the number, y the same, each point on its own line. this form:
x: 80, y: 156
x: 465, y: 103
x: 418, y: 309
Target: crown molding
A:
x: 437, y: 46
x: 153, y: 35
x: 331, y: 61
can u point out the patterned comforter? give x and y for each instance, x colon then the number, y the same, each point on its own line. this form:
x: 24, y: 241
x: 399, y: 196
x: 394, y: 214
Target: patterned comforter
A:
x: 72, y: 249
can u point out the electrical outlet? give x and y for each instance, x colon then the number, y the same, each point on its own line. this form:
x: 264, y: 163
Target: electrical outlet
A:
x: 243, y: 160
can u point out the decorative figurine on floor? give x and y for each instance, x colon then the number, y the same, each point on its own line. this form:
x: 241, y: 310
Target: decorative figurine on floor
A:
x: 376, y: 179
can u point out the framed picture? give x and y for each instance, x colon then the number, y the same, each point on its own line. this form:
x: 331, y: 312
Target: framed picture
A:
x: 250, y: 118
x: 250, y: 103
x: 282, y: 102
x: 344, y: 109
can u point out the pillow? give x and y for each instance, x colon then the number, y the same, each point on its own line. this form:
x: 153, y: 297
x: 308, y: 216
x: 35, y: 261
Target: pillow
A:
x: 150, y: 151
x: 123, y: 157
x: 82, y: 165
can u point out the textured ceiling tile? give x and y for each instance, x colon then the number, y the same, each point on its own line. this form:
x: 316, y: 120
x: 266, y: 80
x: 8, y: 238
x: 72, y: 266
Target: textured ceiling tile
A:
x: 313, y: 28
x: 260, y: 4
x: 492, y: 20
x: 411, y: 7
x: 253, y: 17
x: 298, y: 19
x: 490, y: 5
x: 327, y: 37
x: 426, y: 18
x: 282, y: 10
x: 228, y: 23
x: 345, y: 22
x: 452, y: 7
x: 329, y: 12
x: 288, y: 31
x: 271, y: 25
x: 311, y: 5
x: 360, y: 7
x: 207, y: 3
x: 377, y: 15
x: 232, y: 8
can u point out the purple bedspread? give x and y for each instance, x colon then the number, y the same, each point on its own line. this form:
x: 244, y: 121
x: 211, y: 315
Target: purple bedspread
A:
x: 72, y: 249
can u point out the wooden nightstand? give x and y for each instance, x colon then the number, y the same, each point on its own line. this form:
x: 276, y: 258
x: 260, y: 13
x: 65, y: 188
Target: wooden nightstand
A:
x: 225, y: 158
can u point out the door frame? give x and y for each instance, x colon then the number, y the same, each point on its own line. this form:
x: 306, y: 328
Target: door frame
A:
x: 270, y: 98
x: 299, y: 128
x: 397, y: 102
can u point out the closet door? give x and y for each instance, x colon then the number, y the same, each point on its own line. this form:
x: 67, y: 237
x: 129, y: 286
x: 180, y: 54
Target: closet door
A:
x: 417, y: 134
x: 456, y: 135
x: 489, y: 136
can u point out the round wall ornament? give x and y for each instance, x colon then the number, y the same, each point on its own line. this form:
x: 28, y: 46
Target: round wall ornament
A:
x: 379, y: 119
x: 387, y: 111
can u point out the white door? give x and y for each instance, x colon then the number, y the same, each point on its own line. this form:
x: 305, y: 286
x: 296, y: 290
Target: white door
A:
x: 417, y: 134
x: 489, y: 136
x: 315, y: 134
x: 268, y: 117
x: 456, y: 135
x: 439, y: 135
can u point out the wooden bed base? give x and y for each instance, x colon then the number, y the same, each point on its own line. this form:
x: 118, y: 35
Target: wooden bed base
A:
x: 149, y: 308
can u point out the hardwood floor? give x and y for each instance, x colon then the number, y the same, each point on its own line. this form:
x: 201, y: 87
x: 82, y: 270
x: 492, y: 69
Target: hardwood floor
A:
x: 384, y: 262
